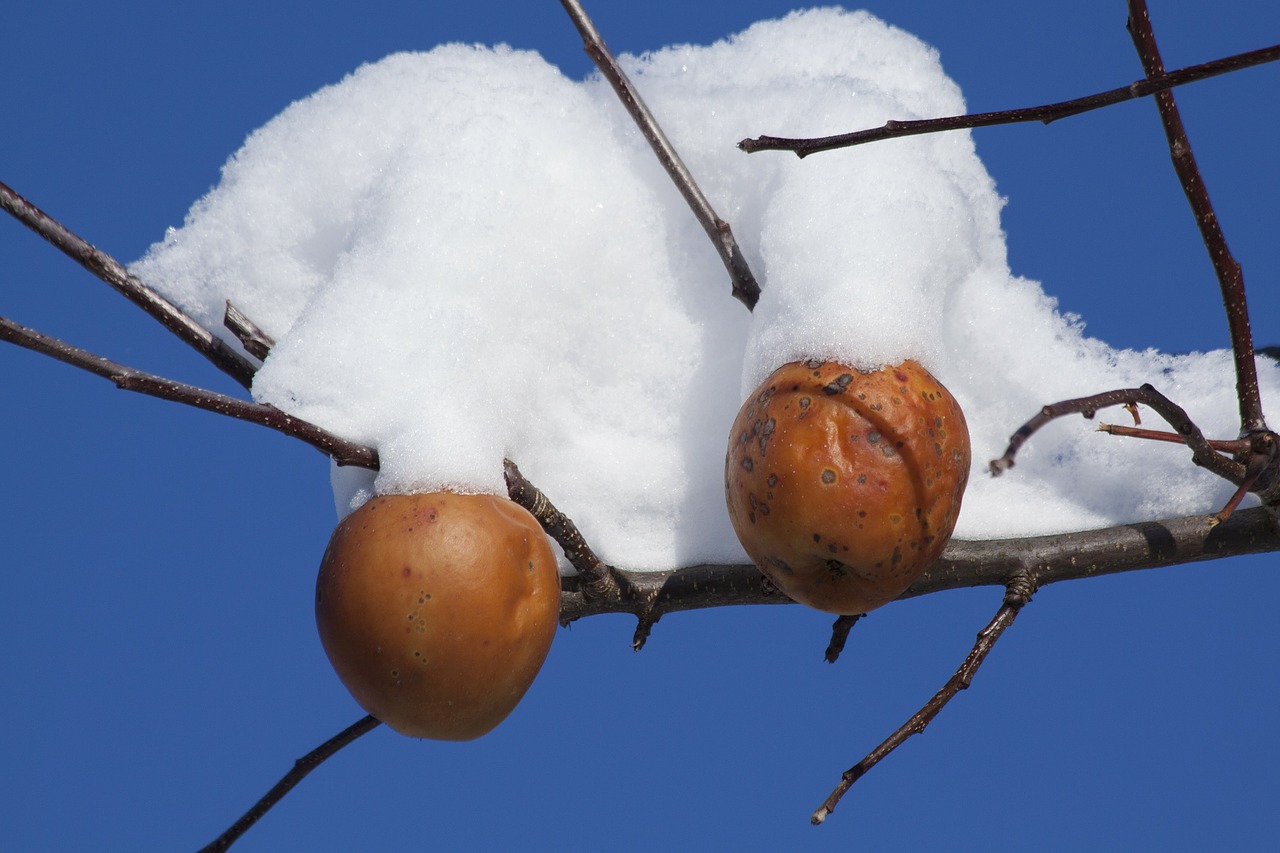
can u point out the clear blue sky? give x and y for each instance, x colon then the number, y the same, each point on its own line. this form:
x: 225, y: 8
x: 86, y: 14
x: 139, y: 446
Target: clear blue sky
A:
x: 160, y: 659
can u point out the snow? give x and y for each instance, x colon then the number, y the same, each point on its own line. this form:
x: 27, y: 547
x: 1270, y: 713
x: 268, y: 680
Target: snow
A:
x: 464, y: 255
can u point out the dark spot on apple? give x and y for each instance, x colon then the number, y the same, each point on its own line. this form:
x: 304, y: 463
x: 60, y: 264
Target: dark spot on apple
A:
x: 840, y: 383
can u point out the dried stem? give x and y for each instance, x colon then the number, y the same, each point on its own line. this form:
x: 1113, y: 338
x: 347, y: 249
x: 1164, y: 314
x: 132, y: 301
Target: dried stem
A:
x: 745, y: 287
x: 1230, y: 276
x: 1017, y: 594
x: 1202, y: 453
x: 1045, y: 114
x: 113, y: 273
x: 299, y: 771
x: 839, y: 636
x: 1234, y: 445
x: 342, y: 451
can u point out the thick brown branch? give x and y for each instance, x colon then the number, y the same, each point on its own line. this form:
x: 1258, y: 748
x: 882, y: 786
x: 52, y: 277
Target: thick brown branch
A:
x: 1045, y: 114
x: 113, y: 273
x: 340, y: 450
x: 1017, y: 594
x: 1230, y: 275
x: 745, y: 287
x: 301, y: 768
x: 1202, y: 453
x: 966, y: 563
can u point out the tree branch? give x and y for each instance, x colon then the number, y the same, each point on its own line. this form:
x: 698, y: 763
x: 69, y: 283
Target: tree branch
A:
x: 1044, y: 114
x: 1017, y: 594
x: 340, y: 450
x: 595, y: 578
x: 745, y: 287
x: 113, y: 273
x: 296, y: 774
x: 1202, y: 452
x: 1045, y: 559
x: 1230, y: 276
x: 255, y: 341
x: 649, y: 595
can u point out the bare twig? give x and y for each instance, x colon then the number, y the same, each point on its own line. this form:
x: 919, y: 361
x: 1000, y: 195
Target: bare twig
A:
x: 113, y: 273
x: 1230, y: 276
x: 296, y: 774
x: 1233, y: 445
x: 1017, y: 594
x: 596, y: 578
x: 340, y: 450
x: 745, y: 287
x: 255, y: 341
x: 1202, y: 453
x: 1045, y: 114
x: 1262, y: 459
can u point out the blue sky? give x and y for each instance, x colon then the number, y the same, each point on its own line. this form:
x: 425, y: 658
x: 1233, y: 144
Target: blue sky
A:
x: 156, y: 598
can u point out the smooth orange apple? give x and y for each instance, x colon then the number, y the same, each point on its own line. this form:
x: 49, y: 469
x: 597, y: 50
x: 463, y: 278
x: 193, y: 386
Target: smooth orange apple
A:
x: 844, y: 485
x: 437, y: 610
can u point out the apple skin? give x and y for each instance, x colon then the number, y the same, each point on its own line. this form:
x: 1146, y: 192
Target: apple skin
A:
x: 437, y: 610
x: 844, y: 485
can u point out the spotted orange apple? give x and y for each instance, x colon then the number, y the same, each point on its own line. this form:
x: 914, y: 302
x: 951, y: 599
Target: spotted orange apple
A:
x: 437, y: 610
x: 843, y: 485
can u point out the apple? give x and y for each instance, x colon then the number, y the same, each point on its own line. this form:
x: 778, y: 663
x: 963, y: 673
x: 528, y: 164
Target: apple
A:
x: 843, y: 485
x: 437, y: 610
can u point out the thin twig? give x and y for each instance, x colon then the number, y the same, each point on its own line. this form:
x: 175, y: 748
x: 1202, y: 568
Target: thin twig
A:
x: 1017, y: 594
x: 1230, y: 275
x: 296, y: 774
x: 1044, y: 114
x: 255, y: 341
x: 1261, y: 461
x: 111, y: 271
x: 745, y: 287
x: 1201, y: 452
x: 596, y: 578
x: 1233, y: 445
x: 343, y: 452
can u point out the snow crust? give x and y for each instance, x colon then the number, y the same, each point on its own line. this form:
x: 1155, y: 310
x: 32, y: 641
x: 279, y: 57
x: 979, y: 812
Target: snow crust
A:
x: 465, y: 255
